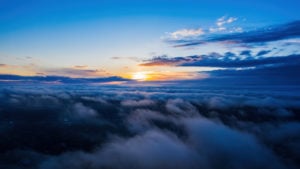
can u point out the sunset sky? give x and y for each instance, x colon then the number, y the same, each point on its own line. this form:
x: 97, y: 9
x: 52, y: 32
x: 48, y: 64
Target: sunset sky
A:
x: 149, y: 40
x: 149, y: 84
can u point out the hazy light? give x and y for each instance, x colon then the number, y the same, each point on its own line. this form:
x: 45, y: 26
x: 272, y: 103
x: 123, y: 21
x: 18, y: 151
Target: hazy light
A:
x: 140, y: 76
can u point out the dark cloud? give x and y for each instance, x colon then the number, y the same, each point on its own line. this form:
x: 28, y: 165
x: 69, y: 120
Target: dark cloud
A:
x: 166, y: 61
x: 235, y: 62
x: 59, y: 79
x: 228, y: 60
x: 246, y: 53
x: 70, y: 126
x: 262, y: 35
x: 284, y: 74
x: 263, y: 52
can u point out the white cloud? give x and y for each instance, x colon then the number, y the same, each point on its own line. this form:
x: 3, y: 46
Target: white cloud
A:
x: 192, y: 33
x: 186, y: 33
x: 221, y: 22
x: 224, y: 20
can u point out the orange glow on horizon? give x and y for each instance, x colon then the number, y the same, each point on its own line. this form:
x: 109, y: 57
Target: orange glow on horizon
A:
x: 140, y: 76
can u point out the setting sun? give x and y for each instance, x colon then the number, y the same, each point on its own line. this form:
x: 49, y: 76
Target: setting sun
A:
x: 139, y: 76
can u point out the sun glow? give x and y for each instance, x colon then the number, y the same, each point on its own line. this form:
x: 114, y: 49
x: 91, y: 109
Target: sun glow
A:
x: 139, y: 76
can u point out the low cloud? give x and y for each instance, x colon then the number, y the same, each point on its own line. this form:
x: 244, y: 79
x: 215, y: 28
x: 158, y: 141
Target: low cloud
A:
x: 159, y: 127
x: 59, y: 79
x: 139, y: 103
x: 77, y: 71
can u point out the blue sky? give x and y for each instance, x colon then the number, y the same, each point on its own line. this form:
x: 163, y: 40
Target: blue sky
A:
x: 114, y: 38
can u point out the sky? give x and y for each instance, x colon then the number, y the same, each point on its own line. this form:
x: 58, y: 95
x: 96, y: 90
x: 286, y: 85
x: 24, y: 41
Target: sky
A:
x: 154, y: 40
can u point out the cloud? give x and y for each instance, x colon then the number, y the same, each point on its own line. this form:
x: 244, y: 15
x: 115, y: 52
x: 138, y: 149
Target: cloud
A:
x: 224, y: 20
x: 245, y: 53
x: 139, y: 103
x: 178, y: 107
x: 280, y: 74
x: 128, y: 58
x: 228, y: 148
x: 192, y: 34
x: 82, y: 111
x: 263, y: 52
x: 58, y: 79
x: 186, y: 33
x: 268, y: 34
x: 80, y: 66
x: 154, y: 149
x: 77, y: 71
x: 84, y: 126
x: 228, y: 60
x: 164, y: 61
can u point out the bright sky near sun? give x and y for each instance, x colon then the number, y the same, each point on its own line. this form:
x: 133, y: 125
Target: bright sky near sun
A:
x: 80, y: 38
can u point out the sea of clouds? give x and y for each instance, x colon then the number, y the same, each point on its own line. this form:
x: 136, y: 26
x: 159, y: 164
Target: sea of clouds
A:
x: 117, y: 127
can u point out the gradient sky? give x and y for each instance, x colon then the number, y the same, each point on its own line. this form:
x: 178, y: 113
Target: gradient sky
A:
x: 80, y: 38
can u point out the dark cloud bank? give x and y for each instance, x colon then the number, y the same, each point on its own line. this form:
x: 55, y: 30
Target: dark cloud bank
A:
x: 93, y: 127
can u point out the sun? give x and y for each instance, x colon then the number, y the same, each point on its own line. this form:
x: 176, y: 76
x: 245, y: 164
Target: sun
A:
x: 139, y: 76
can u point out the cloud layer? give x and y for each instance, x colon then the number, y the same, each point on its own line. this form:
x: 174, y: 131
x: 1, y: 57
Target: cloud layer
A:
x: 93, y: 127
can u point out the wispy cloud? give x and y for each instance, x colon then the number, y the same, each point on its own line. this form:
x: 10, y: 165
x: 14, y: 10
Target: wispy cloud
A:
x: 267, y: 34
x: 225, y: 20
x: 127, y: 58
x: 58, y: 79
x: 187, y: 33
x: 80, y: 66
x: 192, y: 33
x: 164, y: 60
x: 75, y: 72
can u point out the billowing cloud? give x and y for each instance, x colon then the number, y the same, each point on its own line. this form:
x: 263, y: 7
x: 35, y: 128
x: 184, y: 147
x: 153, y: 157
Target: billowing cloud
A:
x: 158, y: 127
x: 139, y: 103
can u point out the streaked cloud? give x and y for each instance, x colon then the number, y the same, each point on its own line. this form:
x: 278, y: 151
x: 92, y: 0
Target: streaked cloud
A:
x: 76, y: 72
x: 261, y: 35
x: 186, y: 33
x: 164, y: 60
x: 80, y: 66
x: 189, y: 33
x: 227, y: 60
x: 58, y: 79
